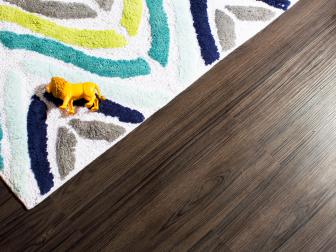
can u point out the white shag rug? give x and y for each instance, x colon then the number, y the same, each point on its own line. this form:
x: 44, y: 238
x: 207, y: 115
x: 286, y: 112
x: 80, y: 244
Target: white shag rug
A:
x: 142, y: 53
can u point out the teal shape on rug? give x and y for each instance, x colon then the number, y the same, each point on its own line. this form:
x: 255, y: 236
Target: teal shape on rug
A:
x: 100, y: 66
x: 114, y: 89
x: 160, y: 31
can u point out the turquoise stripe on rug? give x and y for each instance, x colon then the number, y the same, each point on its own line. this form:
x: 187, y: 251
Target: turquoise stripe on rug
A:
x: 116, y: 90
x: 51, y: 48
x: 160, y: 32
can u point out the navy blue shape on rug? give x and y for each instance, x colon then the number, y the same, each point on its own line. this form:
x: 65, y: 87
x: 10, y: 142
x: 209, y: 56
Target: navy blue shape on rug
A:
x: 209, y: 50
x: 108, y: 108
x: 37, y: 144
x: 280, y: 4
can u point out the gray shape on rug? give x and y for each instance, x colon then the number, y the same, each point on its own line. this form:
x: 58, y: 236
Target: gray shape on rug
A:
x: 56, y: 9
x: 96, y: 130
x: 251, y: 13
x: 65, y: 151
x: 226, y: 30
x: 105, y: 4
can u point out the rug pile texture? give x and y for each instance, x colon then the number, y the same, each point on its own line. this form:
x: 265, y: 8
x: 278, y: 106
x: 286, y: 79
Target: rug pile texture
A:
x: 142, y: 53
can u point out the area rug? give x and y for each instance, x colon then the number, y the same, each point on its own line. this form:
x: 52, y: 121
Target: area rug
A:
x: 141, y: 53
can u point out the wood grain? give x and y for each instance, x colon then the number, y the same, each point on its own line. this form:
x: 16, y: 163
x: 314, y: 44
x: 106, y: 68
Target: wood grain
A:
x: 244, y: 160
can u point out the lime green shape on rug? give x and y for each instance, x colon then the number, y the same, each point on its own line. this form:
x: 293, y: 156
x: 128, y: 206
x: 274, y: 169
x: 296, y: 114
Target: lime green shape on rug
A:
x: 80, y: 37
x: 132, y: 15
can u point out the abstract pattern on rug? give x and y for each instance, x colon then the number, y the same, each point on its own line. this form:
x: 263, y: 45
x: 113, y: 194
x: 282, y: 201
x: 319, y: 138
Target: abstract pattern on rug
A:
x: 142, y: 53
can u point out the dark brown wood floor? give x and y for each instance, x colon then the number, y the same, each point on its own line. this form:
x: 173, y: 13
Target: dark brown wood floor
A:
x: 244, y: 160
